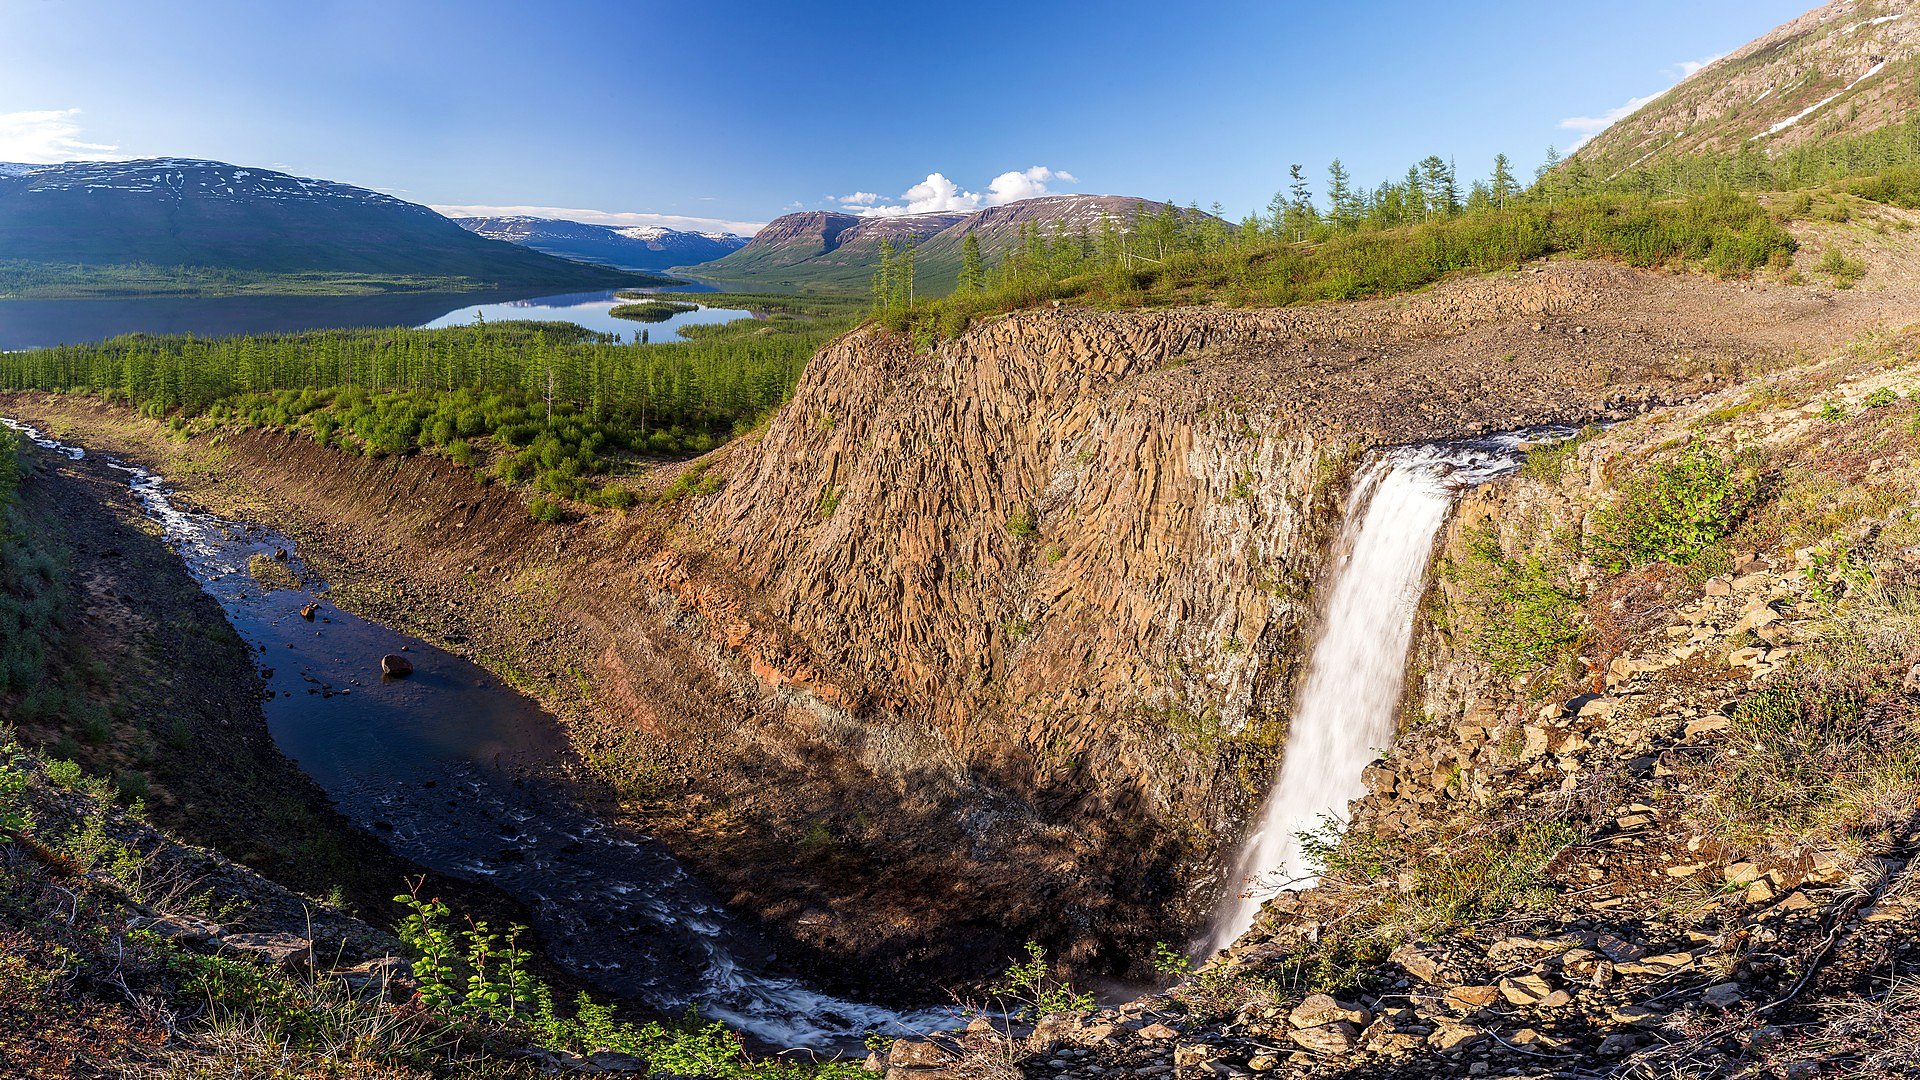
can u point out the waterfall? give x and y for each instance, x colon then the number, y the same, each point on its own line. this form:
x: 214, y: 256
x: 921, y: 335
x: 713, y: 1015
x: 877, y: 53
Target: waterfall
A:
x: 1345, y: 713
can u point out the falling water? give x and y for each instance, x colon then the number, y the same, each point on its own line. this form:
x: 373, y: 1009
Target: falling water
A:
x: 1345, y: 712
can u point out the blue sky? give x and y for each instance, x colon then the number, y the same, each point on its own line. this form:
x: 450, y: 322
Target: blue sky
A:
x: 730, y: 113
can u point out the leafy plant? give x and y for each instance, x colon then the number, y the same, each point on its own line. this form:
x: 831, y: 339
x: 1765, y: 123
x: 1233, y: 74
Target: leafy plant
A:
x: 1033, y: 992
x: 1674, y: 511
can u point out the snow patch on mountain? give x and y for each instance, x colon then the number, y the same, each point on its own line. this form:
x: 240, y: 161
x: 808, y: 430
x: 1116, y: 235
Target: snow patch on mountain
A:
x: 195, y: 178
x: 1804, y: 113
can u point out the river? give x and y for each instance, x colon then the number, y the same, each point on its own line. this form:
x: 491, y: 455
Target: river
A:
x: 458, y: 772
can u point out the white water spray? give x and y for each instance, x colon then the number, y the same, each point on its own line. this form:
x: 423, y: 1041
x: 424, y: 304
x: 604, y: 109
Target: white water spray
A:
x: 1344, y: 715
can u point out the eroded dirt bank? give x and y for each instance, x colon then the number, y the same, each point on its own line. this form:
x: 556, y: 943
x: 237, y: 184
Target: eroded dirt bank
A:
x: 991, y: 642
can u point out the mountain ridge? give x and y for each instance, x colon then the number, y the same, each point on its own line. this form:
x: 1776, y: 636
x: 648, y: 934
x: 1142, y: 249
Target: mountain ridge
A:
x: 632, y: 247
x: 78, y: 221
x: 832, y: 250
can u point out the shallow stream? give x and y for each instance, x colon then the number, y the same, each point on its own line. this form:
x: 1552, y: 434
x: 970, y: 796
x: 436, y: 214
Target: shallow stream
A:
x: 459, y: 772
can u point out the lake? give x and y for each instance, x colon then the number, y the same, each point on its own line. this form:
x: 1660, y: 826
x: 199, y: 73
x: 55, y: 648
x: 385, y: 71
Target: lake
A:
x: 29, y: 324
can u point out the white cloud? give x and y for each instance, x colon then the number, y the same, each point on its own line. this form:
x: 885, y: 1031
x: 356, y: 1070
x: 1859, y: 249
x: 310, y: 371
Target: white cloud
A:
x: 1686, y: 68
x: 621, y: 219
x: 937, y: 194
x: 1586, y: 127
x: 1031, y: 184
x: 48, y: 136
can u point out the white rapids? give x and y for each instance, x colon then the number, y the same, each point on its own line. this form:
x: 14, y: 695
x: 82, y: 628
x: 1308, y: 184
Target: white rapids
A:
x: 1344, y: 716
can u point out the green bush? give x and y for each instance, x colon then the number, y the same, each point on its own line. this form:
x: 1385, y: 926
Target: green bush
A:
x: 1517, y: 616
x: 546, y: 511
x: 1674, y: 511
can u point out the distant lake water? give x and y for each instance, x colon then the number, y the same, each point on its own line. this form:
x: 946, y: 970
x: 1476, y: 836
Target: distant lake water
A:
x: 29, y: 324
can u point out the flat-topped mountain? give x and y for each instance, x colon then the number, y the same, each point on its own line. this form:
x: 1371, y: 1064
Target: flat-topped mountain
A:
x: 209, y: 219
x: 1842, y: 69
x: 634, y: 247
x: 825, y: 249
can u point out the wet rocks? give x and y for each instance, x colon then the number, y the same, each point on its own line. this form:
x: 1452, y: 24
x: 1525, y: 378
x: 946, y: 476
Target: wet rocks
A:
x: 308, y: 611
x: 396, y: 666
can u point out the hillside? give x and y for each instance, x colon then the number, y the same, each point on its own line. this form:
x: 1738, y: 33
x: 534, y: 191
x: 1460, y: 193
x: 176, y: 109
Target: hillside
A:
x: 827, y: 251
x: 151, y: 225
x: 1846, y: 68
x: 645, y: 247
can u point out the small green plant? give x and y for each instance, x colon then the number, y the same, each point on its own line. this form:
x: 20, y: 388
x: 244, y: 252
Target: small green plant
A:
x: 1845, y: 272
x: 1033, y: 992
x: 1021, y: 524
x: 1881, y: 398
x: 1674, y: 511
x: 63, y: 774
x: 546, y: 511
x: 1518, y: 617
x: 828, y: 502
x: 1832, y: 411
x: 16, y: 817
x: 1170, y: 961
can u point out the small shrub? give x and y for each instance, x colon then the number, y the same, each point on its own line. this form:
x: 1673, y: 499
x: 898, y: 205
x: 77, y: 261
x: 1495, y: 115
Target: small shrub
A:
x: 1673, y: 512
x: 1033, y: 992
x: 1517, y: 616
x: 546, y: 511
x: 1021, y: 524
x: 63, y: 774
x: 1882, y: 398
x: 1845, y: 272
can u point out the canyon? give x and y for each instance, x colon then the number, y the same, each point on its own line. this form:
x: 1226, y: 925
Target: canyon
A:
x: 1019, y: 617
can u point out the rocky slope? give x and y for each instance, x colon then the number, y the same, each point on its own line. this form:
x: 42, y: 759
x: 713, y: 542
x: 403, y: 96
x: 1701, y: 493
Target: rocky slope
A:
x: 1680, y: 844
x: 1844, y: 68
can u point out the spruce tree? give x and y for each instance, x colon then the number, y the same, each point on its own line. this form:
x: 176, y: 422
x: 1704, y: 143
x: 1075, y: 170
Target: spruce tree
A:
x: 973, y: 268
x: 1340, y: 194
x: 1503, y: 184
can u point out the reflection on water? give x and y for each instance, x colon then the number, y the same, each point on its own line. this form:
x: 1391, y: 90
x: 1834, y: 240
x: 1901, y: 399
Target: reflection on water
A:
x: 460, y: 773
x: 30, y: 324
x: 592, y: 310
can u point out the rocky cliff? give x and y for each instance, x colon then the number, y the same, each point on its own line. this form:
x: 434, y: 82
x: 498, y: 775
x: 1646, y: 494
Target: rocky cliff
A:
x: 1667, y: 829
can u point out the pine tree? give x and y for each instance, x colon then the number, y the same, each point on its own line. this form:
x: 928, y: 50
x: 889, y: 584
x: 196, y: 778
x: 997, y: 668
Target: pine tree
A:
x: 973, y: 268
x: 1340, y: 194
x: 883, y: 277
x: 1503, y: 185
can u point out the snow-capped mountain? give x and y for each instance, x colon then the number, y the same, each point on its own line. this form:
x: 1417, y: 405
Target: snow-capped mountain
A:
x: 632, y: 247
x: 171, y: 212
